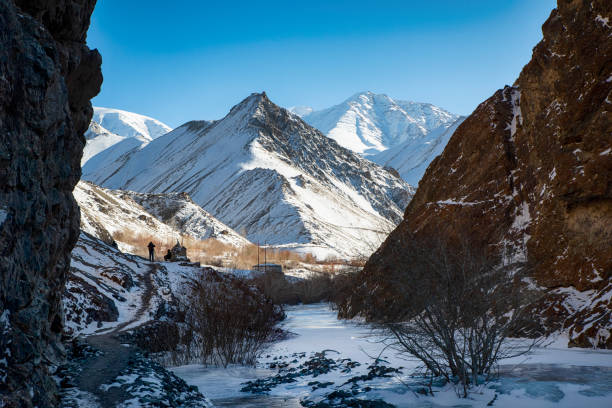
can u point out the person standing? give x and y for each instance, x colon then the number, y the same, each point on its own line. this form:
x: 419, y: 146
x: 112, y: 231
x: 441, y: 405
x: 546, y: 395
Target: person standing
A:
x: 151, y: 251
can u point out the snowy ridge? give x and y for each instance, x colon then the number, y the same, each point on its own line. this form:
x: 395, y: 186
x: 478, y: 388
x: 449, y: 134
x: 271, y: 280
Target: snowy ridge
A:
x: 264, y: 171
x: 180, y: 212
x: 98, y: 139
x: 106, y: 214
x: 129, y: 124
x: 109, y: 127
x: 402, y: 134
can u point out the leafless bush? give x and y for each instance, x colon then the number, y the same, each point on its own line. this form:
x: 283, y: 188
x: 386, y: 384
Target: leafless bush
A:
x: 314, y: 288
x: 232, y: 322
x: 459, y: 328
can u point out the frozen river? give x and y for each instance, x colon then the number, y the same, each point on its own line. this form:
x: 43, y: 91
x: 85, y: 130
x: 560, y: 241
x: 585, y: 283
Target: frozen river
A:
x: 553, y: 376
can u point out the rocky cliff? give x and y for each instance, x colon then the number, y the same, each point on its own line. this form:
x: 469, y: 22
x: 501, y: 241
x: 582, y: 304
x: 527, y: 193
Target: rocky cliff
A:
x: 47, y: 77
x: 530, y: 172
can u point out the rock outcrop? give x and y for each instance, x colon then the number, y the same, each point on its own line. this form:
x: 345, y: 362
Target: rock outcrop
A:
x: 47, y: 77
x: 530, y: 172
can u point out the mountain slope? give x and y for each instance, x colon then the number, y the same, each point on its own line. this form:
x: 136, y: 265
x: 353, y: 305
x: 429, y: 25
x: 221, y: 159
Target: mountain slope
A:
x: 412, y: 157
x: 110, y: 214
x: 111, y: 126
x: 180, y: 212
x: 530, y: 173
x: 390, y: 132
x: 264, y: 171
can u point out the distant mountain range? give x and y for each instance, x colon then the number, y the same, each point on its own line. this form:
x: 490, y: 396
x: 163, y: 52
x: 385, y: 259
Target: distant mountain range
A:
x: 400, y: 134
x: 109, y: 127
x: 266, y: 173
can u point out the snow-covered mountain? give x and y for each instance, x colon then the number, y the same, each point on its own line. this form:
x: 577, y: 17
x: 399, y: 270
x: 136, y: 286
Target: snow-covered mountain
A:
x: 109, y: 127
x: 301, y: 111
x: 180, y: 212
x: 110, y: 214
x: 264, y: 171
x: 401, y: 134
x: 412, y: 157
x: 129, y: 124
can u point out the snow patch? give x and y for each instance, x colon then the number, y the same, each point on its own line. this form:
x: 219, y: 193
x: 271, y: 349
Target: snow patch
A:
x: 517, y: 117
x: 603, y: 20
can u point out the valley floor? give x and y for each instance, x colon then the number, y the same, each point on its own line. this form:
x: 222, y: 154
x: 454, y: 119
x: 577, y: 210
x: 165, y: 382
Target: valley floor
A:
x: 335, y: 360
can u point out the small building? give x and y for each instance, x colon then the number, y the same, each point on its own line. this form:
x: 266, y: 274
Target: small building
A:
x: 177, y: 253
x: 268, y: 267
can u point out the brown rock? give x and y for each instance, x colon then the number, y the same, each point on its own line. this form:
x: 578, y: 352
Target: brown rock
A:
x: 530, y: 173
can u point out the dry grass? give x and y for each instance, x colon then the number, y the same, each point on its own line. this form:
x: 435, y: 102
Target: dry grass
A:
x: 214, y: 252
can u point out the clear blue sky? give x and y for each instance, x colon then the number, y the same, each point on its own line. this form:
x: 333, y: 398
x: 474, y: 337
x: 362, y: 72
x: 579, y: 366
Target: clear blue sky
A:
x: 192, y: 59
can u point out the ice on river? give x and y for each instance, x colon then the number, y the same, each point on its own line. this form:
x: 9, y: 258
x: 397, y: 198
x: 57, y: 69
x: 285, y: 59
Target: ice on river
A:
x: 553, y: 376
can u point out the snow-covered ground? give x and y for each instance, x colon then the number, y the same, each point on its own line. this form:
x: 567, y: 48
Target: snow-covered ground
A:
x: 553, y: 376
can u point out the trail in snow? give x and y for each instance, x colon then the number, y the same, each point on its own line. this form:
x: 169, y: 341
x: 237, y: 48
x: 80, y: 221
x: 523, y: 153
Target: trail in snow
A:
x: 145, y: 302
x: 115, y: 357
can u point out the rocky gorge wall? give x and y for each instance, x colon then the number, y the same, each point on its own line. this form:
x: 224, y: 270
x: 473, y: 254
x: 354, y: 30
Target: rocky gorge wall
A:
x: 530, y: 173
x: 47, y: 77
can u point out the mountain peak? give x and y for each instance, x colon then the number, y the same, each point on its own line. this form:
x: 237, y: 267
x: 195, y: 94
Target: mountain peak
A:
x: 129, y: 124
x: 369, y: 96
x: 251, y: 104
x: 370, y: 123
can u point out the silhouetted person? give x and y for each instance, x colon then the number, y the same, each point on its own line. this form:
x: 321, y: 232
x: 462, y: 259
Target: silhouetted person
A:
x: 151, y: 251
x: 168, y: 256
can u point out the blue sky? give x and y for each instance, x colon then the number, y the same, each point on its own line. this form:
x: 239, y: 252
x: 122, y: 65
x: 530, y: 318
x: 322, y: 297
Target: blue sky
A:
x: 189, y: 59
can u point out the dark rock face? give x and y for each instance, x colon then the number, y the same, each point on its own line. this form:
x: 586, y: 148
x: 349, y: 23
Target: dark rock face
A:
x: 530, y: 172
x: 47, y: 77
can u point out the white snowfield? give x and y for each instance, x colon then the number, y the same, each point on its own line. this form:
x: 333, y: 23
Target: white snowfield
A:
x: 104, y: 213
x: 401, y: 134
x: 265, y: 172
x: 109, y: 127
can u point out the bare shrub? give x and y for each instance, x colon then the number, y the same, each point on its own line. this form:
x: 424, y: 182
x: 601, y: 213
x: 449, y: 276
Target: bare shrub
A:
x: 232, y: 322
x: 459, y: 326
x: 314, y: 288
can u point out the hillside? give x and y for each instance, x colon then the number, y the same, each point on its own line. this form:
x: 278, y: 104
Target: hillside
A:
x: 110, y: 215
x: 530, y: 173
x: 263, y: 171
